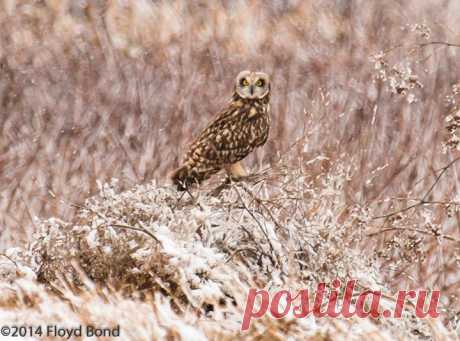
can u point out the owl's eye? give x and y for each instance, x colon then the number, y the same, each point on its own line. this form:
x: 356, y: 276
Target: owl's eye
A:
x: 244, y: 82
x: 260, y: 83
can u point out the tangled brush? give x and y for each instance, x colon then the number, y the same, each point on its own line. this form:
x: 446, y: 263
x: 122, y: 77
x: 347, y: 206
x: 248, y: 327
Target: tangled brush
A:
x: 183, y: 263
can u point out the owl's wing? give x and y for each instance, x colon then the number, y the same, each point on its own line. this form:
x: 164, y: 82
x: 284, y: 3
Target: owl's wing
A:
x: 225, y: 139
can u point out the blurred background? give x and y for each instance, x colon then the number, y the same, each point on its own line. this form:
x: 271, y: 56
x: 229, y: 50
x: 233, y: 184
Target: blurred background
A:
x: 91, y: 90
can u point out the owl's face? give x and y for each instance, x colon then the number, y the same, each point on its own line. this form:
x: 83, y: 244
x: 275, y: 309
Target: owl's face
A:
x: 253, y: 85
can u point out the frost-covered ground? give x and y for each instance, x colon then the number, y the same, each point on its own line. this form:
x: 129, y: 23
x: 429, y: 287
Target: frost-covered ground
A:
x: 358, y: 179
x: 161, y: 264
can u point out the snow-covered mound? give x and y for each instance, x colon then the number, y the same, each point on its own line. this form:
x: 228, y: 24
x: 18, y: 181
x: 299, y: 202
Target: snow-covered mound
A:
x: 160, y: 263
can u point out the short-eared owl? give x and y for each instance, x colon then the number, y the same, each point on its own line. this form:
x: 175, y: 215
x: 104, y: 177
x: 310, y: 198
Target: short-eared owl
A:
x: 234, y: 133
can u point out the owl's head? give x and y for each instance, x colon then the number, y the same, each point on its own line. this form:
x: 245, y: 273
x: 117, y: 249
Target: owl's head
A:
x: 252, y: 85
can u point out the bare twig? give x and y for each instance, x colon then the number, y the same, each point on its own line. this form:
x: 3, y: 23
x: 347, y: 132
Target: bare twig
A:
x: 439, y: 43
x: 123, y: 226
x: 9, y: 258
x: 420, y: 45
x: 259, y: 201
x: 129, y: 227
x: 433, y: 234
x: 243, y: 249
x: 255, y: 219
x: 425, y: 196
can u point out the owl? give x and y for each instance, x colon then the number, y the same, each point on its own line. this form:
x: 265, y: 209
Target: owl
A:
x: 235, y: 132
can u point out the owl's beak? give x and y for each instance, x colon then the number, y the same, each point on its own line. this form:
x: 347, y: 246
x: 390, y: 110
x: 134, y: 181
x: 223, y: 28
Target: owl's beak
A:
x: 251, y: 90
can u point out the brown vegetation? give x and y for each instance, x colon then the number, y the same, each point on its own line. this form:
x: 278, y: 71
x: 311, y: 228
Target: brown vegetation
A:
x: 359, y: 177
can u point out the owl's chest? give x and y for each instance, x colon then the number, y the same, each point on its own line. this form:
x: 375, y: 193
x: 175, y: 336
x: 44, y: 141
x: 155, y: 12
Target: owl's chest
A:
x: 259, y: 126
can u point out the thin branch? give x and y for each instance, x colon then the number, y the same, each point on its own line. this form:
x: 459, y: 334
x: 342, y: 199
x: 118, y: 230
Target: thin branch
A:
x: 84, y: 207
x: 259, y: 201
x: 251, y: 235
x: 420, y: 45
x: 9, y: 258
x: 254, y: 218
x: 399, y: 211
x: 239, y: 251
x: 129, y: 227
x: 423, y: 200
x: 123, y: 226
x: 432, y: 234
x: 439, y: 43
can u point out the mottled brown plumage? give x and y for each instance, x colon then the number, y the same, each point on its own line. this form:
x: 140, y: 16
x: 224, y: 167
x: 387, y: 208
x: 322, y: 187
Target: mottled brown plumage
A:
x: 235, y: 132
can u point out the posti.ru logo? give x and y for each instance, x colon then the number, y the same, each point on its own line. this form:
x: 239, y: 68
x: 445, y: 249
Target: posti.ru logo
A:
x: 364, y: 304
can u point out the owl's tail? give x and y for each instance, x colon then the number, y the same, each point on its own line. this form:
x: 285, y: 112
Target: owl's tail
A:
x: 184, y: 177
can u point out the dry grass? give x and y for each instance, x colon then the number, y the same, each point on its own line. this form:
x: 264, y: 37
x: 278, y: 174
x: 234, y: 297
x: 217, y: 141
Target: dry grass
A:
x: 95, y: 90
